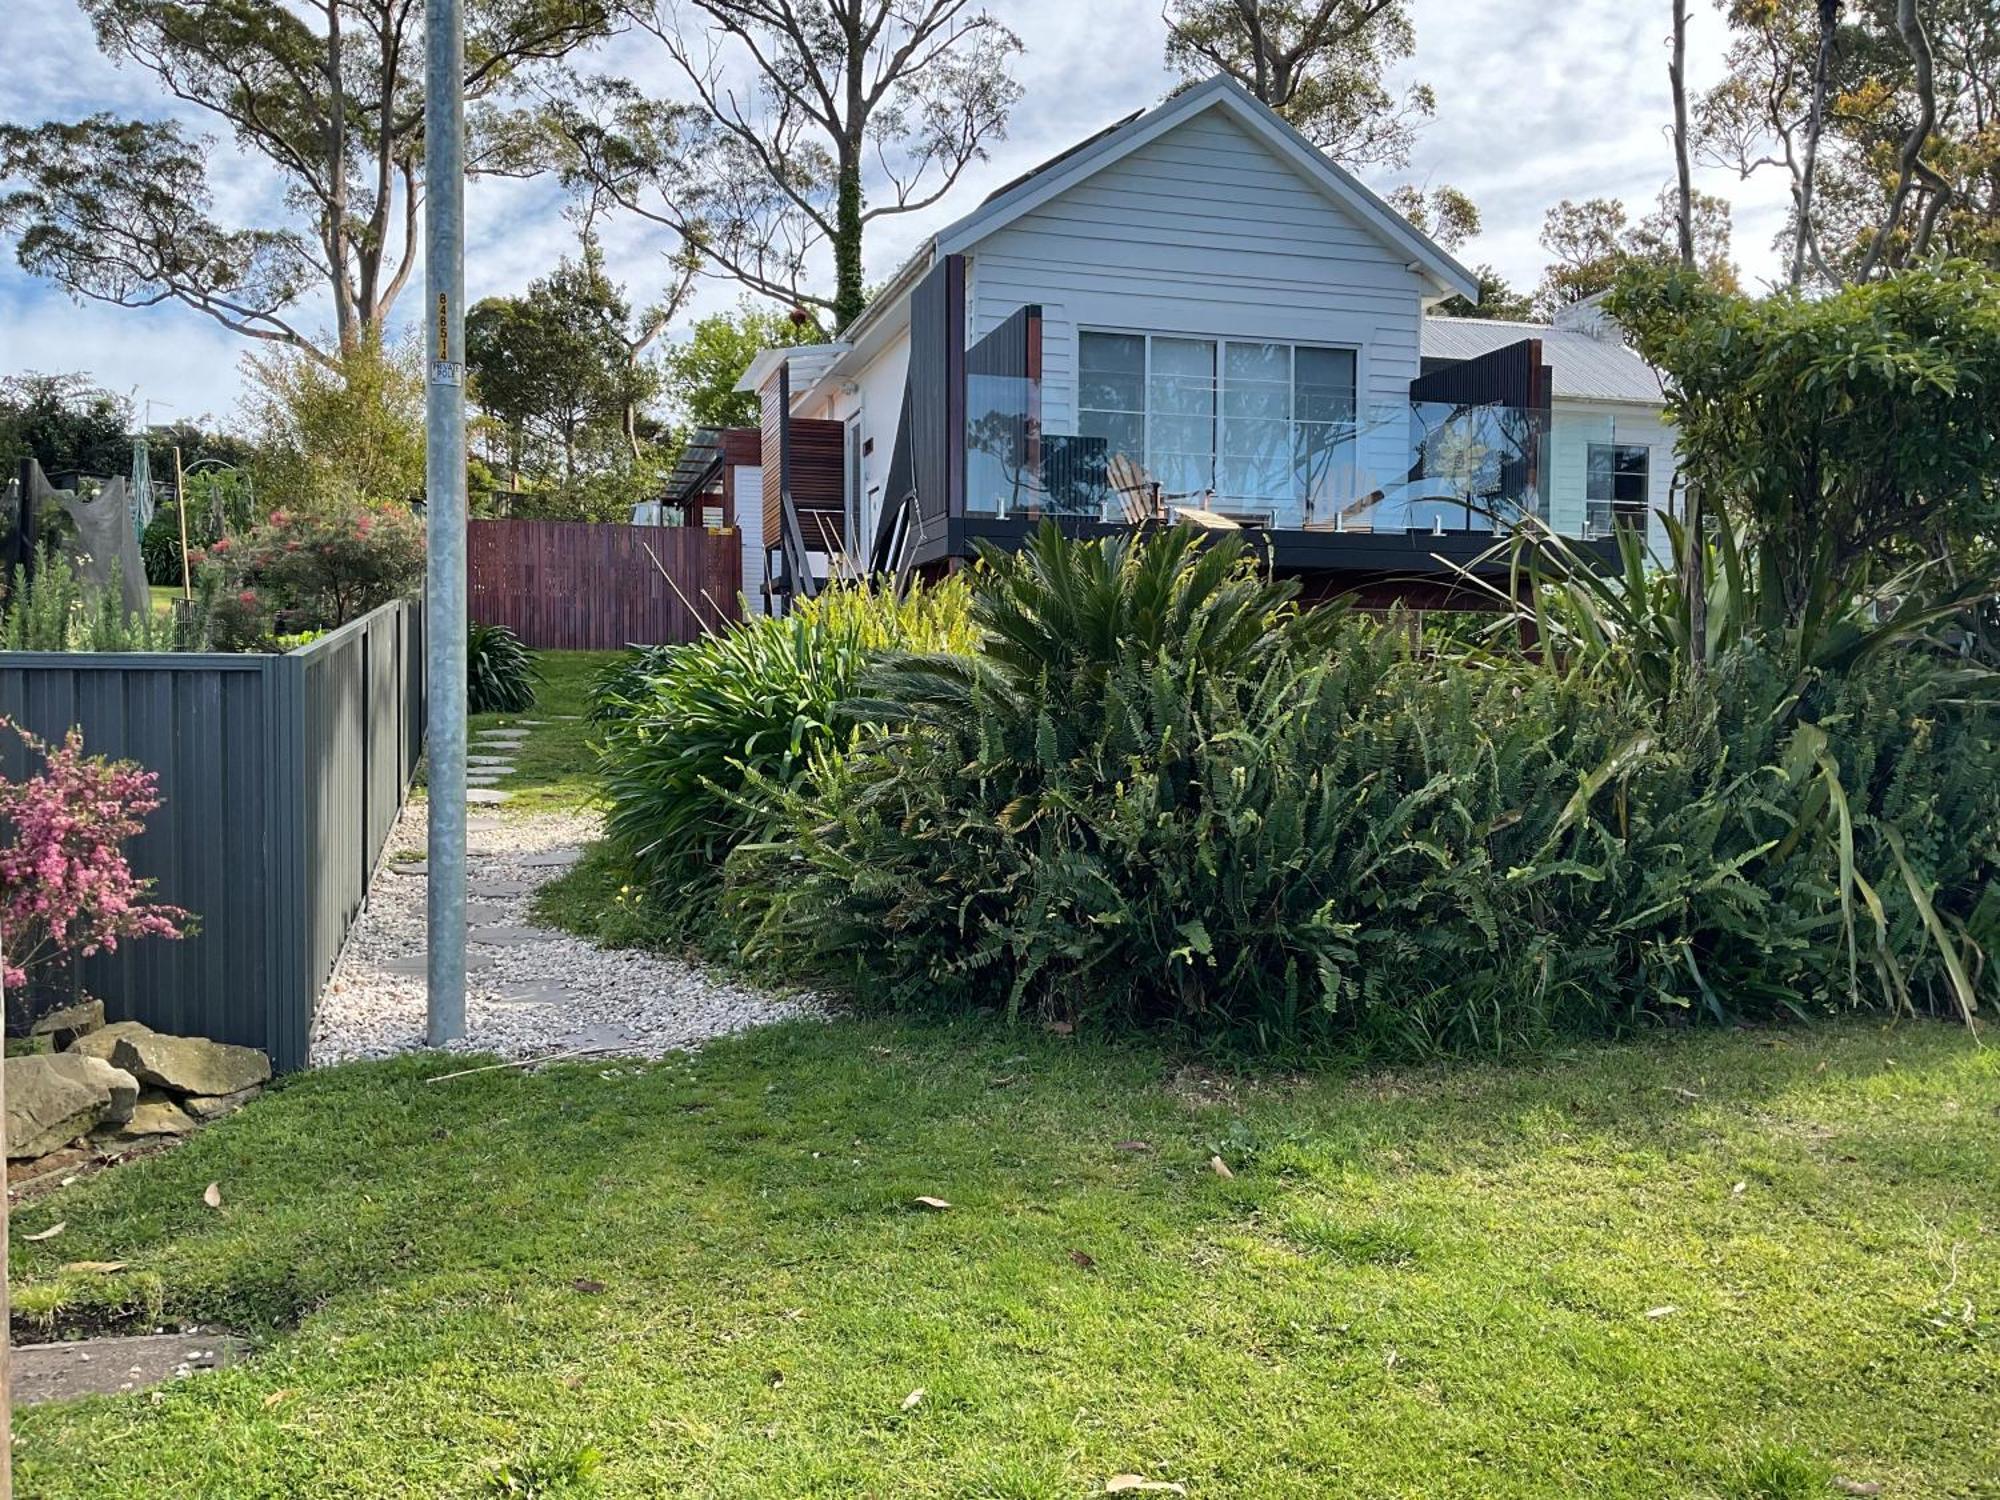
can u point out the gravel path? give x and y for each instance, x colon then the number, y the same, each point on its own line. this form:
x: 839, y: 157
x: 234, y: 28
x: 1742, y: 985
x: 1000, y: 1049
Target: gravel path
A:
x: 530, y: 990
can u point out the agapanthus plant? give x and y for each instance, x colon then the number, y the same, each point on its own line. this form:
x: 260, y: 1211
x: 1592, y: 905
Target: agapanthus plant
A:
x: 66, y: 888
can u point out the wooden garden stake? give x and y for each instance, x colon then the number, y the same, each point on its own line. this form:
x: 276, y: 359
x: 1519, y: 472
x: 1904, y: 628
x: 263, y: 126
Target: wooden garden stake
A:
x: 181, y: 510
x: 6, y: 1311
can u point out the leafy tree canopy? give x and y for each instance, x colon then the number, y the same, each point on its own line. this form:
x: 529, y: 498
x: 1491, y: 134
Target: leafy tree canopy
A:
x: 1851, y: 432
x: 66, y: 423
x: 560, y: 369
x: 1319, y: 63
x: 1593, y: 240
x: 702, y: 370
x: 1759, y: 119
x: 326, y: 97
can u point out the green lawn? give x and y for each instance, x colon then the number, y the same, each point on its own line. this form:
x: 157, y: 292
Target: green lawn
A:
x: 555, y: 767
x: 1725, y: 1265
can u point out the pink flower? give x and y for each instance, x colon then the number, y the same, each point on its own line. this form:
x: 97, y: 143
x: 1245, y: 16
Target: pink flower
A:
x: 248, y: 598
x: 65, y: 887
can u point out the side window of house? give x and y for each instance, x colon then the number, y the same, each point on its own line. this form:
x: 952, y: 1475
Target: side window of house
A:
x: 1616, y: 487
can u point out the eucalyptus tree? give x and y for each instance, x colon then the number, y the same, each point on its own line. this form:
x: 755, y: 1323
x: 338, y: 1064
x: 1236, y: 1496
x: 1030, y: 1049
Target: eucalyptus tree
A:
x: 1884, y: 117
x: 1319, y: 63
x: 325, y: 96
x: 811, y: 121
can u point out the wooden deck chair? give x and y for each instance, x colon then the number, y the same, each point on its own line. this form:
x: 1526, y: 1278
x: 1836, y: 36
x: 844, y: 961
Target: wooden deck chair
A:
x: 1354, y: 516
x: 1207, y: 520
x: 1137, y: 491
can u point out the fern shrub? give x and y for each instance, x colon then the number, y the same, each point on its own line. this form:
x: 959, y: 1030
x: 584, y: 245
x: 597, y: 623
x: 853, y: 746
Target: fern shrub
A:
x: 500, y: 672
x: 1158, y: 795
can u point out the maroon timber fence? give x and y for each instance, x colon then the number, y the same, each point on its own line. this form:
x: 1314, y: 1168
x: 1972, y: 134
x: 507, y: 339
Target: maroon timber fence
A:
x: 574, y: 586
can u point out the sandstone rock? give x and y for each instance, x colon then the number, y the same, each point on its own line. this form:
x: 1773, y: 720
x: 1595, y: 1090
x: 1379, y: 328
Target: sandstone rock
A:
x: 63, y: 1027
x: 190, y: 1064
x: 103, y: 1042
x: 157, y: 1113
x: 54, y: 1099
x: 206, y: 1107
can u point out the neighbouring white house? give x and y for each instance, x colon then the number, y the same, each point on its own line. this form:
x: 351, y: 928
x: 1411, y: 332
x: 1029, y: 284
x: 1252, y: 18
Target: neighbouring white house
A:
x: 1194, y: 313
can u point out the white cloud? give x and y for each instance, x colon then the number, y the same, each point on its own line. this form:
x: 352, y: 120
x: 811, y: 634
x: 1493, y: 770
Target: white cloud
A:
x: 1536, y: 102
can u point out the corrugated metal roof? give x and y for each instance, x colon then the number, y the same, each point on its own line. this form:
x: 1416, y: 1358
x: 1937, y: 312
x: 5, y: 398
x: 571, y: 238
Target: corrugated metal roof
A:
x: 1584, y: 368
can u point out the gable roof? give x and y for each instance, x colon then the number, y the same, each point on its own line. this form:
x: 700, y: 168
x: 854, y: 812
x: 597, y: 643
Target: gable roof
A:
x: 1067, y: 169
x: 1583, y: 366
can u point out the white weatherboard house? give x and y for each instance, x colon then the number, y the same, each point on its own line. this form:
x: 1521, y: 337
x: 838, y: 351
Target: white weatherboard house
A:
x: 1192, y: 311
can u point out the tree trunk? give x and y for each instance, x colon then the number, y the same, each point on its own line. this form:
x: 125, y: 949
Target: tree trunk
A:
x: 1677, y: 76
x: 1829, y: 15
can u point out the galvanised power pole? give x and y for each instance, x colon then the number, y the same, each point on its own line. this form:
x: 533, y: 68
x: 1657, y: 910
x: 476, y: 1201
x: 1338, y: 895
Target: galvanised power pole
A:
x: 444, y: 496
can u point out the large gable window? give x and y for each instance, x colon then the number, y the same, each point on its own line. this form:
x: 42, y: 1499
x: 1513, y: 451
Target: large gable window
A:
x: 1246, y: 426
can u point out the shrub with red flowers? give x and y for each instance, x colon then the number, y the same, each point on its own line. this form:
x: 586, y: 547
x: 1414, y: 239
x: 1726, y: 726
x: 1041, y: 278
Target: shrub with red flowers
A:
x: 66, y: 890
x: 313, y: 572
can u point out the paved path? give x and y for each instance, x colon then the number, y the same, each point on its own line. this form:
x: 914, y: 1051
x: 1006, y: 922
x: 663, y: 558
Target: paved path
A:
x: 531, y: 990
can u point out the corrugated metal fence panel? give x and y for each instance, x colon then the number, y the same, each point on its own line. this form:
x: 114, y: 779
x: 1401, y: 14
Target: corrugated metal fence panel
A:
x: 204, y: 725
x: 572, y: 585
x: 273, y: 812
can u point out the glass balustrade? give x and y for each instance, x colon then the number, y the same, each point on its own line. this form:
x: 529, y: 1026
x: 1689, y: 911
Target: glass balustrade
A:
x: 1415, y: 466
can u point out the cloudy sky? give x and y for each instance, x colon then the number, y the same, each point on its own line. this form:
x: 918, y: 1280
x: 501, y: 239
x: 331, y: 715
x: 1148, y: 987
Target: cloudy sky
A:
x: 1536, y: 102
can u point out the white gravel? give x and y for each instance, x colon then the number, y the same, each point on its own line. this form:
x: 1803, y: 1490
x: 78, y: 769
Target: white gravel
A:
x: 529, y: 991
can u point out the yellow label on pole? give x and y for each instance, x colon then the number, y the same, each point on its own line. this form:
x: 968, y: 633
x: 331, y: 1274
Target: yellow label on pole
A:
x: 444, y: 326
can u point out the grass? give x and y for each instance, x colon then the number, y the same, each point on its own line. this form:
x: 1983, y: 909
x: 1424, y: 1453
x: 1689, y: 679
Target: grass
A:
x: 1733, y: 1266
x: 164, y: 596
x: 555, y: 767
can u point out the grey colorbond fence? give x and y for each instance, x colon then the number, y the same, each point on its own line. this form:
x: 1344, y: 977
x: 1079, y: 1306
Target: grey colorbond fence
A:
x: 281, y: 777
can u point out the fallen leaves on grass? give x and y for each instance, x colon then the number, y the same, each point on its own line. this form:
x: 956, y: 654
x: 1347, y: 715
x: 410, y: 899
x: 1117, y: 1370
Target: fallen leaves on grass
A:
x: 47, y: 1234
x: 1857, y: 1486
x: 212, y: 1195
x: 1219, y: 1167
x: 1134, y: 1484
x: 1662, y: 1312
x: 95, y: 1267
x: 1133, y: 1146
x: 588, y: 1287
x: 914, y: 1399
x: 1081, y: 1261
x: 935, y: 1205
x: 279, y: 1396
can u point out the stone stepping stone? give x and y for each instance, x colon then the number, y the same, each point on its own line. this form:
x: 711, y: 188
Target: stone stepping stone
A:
x: 488, y: 760
x: 484, y: 778
x: 410, y: 866
x: 533, y: 992
x: 498, y: 890
x: 554, y: 859
x: 511, y: 937
x: 485, y: 825
x: 483, y: 914
x: 500, y: 736
x: 487, y: 796
x: 107, y: 1367
x: 417, y: 965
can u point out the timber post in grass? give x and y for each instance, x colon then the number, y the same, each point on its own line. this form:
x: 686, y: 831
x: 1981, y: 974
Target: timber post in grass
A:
x: 6, y: 1299
x: 444, y: 500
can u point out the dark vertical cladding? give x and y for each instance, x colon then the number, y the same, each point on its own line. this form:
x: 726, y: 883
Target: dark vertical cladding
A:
x: 1513, y: 376
x: 926, y: 485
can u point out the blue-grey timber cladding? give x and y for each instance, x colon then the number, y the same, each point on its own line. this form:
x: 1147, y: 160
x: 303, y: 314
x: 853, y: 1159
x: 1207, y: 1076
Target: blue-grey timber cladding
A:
x: 281, y: 778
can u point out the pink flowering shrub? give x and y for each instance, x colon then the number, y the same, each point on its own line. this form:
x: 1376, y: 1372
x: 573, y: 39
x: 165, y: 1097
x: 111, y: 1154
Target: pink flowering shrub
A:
x: 66, y: 890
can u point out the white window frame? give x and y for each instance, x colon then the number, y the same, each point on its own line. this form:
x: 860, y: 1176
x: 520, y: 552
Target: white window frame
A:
x: 1220, y: 342
x: 1608, y: 509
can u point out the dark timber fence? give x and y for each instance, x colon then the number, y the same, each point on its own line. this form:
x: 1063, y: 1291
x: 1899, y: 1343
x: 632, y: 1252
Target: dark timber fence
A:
x: 574, y: 586
x: 280, y: 778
